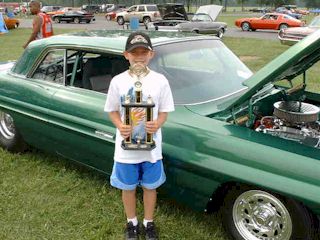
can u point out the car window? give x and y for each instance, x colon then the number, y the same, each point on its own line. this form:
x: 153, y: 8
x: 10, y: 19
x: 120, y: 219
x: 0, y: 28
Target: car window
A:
x: 93, y: 71
x: 206, y: 67
x: 152, y: 8
x: 133, y: 8
x: 141, y: 9
x: 51, y: 68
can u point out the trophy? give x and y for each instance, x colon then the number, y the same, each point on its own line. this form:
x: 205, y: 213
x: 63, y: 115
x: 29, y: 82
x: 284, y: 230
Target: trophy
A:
x: 137, y: 112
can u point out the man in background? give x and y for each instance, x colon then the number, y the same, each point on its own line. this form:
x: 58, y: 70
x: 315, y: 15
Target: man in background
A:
x: 41, y: 25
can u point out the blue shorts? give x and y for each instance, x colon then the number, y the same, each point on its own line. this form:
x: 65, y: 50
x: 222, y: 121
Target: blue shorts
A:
x: 128, y: 176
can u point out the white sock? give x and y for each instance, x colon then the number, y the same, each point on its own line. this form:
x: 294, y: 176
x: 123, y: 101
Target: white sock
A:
x: 145, y: 222
x: 133, y: 220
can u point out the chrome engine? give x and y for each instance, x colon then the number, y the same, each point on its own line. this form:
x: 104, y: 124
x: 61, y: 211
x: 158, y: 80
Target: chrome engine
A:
x: 296, y: 121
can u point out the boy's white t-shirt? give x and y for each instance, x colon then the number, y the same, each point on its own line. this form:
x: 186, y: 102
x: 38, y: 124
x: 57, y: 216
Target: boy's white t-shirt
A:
x: 154, y: 84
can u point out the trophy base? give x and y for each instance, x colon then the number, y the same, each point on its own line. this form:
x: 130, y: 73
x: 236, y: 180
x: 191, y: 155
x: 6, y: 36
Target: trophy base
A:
x: 139, y: 147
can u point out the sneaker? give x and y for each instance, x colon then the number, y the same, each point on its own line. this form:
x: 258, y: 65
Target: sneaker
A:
x: 150, y: 231
x: 131, y: 232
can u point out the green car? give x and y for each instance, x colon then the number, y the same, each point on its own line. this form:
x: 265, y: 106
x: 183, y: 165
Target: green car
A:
x: 245, y: 144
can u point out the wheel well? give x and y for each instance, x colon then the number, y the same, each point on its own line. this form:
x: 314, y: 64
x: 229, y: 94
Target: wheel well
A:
x: 217, y: 197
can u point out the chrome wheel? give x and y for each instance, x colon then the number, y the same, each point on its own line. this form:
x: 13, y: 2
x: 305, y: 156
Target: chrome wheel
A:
x: 7, y: 128
x: 220, y: 33
x: 76, y: 20
x: 245, y: 26
x: 258, y: 215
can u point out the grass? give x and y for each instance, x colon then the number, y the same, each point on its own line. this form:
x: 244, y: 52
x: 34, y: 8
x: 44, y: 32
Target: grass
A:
x: 46, y: 197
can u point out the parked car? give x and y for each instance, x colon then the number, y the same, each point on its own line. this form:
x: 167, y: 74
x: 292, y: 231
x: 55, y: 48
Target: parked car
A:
x: 145, y: 13
x: 60, y: 11
x: 288, y: 12
x: 73, y: 16
x: 11, y: 22
x: 46, y: 9
x: 175, y: 18
x: 275, y: 21
x: 260, y: 10
x: 91, y: 8
x: 292, y: 35
x: 111, y: 15
x: 237, y: 141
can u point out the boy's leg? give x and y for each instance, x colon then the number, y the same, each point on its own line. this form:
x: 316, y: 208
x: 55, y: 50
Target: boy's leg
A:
x: 129, y: 202
x: 149, y: 203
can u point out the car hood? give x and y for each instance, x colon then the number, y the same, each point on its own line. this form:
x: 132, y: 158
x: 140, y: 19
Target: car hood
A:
x: 172, y: 11
x: 288, y: 65
x: 212, y: 10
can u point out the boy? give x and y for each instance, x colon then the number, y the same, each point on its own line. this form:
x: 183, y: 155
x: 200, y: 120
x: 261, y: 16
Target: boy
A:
x: 144, y: 168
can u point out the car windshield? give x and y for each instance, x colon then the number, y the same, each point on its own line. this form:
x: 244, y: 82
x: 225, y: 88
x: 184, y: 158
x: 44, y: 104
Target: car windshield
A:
x: 315, y: 22
x: 200, y: 71
x: 201, y: 18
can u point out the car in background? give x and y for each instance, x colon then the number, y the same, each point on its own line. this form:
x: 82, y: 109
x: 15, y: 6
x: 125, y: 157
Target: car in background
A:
x: 175, y: 18
x: 288, y: 12
x: 60, y: 11
x: 247, y: 144
x: 145, y: 13
x: 11, y: 23
x: 91, y: 8
x: 273, y: 21
x: 292, y: 35
x: 260, y: 10
x: 74, y: 16
x: 111, y: 15
x: 46, y: 9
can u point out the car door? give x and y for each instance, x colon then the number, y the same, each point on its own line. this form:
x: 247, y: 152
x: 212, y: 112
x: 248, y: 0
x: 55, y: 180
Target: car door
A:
x: 33, y: 97
x: 130, y: 13
x: 81, y: 129
x: 140, y: 13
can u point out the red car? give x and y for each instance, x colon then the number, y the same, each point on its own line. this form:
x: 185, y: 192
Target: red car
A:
x: 275, y: 21
x: 110, y: 16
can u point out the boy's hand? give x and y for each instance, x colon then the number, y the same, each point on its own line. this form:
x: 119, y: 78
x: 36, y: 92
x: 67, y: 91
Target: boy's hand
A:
x: 152, y: 126
x: 125, y: 130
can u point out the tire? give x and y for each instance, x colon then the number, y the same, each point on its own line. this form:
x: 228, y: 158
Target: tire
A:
x: 283, y: 26
x: 146, y: 20
x: 220, y: 33
x: 76, y: 20
x: 245, y: 26
x: 250, y: 213
x: 56, y: 20
x: 108, y: 17
x: 10, y: 138
x: 88, y: 21
x: 120, y: 20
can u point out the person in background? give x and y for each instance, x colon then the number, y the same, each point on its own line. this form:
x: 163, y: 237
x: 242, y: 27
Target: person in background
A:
x: 41, y: 25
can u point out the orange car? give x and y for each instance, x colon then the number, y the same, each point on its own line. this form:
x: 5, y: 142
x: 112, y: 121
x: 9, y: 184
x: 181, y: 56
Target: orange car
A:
x: 276, y: 21
x: 11, y: 22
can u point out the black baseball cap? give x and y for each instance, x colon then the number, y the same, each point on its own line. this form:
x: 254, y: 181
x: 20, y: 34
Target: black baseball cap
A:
x: 138, y: 39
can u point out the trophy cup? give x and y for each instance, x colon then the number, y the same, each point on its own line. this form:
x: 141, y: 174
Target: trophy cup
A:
x: 138, y: 139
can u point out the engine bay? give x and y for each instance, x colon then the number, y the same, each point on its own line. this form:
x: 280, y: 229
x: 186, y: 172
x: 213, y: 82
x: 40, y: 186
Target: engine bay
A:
x: 287, y: 114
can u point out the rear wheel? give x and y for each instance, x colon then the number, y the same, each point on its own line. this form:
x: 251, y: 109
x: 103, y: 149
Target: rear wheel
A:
x: 283, y: 26
x: 120, y: 20
x: 10, y: 138
x: 146, y: 20
x: 245, y: 26
x: 88, y: 21
x: 251, y: 214
x: 108, y: 17
x: 76, y: 20
x: 56, y: 20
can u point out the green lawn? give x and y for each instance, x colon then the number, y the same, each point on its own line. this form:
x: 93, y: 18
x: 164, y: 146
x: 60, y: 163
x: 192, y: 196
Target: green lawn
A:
x: 46, y: 197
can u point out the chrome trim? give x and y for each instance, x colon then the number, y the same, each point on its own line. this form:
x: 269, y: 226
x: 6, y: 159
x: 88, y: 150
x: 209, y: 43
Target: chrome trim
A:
x: 212, y: 100
x: 105, y: 134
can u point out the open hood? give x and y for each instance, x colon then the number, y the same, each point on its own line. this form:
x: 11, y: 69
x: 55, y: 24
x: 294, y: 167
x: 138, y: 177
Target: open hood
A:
x: 288, y: 65
x: 212, y: 10
x: 172, y: 11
